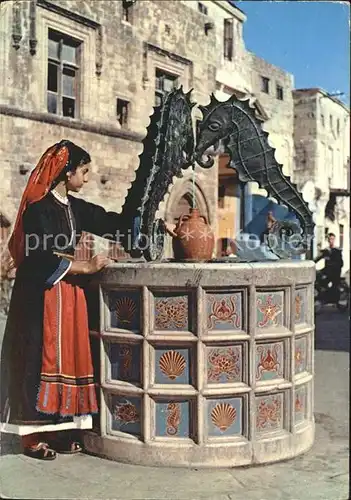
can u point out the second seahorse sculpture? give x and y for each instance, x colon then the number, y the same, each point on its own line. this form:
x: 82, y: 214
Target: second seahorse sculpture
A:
x: 170, y: 147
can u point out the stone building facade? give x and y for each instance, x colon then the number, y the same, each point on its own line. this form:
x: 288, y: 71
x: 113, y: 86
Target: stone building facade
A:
x: 322, y: 163
x: 272, y: 88
x: 91, y: 71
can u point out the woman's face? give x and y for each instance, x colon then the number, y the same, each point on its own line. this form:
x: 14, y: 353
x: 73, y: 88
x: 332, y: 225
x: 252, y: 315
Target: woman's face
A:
x: 77, y: 179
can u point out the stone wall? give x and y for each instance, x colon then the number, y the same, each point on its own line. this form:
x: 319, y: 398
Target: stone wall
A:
x: 32, y: 138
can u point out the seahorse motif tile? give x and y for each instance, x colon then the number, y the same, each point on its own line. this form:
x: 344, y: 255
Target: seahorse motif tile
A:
x: 173, y: 418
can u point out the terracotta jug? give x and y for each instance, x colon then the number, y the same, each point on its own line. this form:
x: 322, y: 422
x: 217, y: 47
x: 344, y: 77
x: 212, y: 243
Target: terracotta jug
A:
x: 195, y: 239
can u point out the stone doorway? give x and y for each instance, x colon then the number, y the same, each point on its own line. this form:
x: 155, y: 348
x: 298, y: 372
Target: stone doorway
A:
x: 183, y: 207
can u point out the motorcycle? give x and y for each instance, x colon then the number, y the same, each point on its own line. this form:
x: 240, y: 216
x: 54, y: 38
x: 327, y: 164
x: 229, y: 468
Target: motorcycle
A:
x: 325, y: 293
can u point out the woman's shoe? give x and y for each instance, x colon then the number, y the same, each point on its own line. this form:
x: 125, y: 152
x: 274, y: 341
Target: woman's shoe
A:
x: 41, y: 451
x: 68, y: 447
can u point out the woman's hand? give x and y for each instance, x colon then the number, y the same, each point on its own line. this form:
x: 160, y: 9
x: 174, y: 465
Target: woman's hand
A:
x: 170, y: 229
x: 91, y: 266
x: 96, y: 263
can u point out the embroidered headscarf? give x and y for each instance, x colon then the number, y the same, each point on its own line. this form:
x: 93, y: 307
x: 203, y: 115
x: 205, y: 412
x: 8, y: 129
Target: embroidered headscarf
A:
x: 58, y: 159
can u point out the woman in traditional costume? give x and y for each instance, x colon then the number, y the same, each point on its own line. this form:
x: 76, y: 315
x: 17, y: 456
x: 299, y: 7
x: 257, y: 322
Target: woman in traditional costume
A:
x: 47, y: 379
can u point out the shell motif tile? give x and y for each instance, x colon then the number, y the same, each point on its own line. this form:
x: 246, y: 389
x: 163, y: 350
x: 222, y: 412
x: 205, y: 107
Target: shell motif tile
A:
x: 125, y: 361
x: 270, y: 309
x: 125, y: 413
x: 224, y: 364
x: 172, y: 366
x: 224, y: 311
x: 224, y: 416
x: 125, y: 310
x: 300, y: 306
x: 301, y: 354
x: 269, y: 412
x: 171, y: 312
x: 269, y: 361
x: 172, y: 418
x: 300, y: 403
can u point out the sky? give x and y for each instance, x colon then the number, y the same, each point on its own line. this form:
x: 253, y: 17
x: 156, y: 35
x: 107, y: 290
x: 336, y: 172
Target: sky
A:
x: 308, y: 39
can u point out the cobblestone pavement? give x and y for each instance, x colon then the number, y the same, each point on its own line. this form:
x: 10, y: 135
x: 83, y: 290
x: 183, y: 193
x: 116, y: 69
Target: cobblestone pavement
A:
x: 321, y: 474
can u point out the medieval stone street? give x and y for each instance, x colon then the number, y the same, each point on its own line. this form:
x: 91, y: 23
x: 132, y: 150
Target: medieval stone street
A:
x: 320, y: 474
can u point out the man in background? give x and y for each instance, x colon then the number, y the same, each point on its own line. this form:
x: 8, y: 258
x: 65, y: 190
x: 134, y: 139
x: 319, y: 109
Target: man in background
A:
x: 333, y: 264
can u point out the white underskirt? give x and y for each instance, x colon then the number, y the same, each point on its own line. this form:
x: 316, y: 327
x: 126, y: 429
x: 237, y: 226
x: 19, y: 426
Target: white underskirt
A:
x: 85, y: 422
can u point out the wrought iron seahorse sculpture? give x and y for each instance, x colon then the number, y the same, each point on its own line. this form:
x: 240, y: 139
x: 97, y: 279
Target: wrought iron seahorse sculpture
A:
x: 168, y: 148
x: 235, y: 123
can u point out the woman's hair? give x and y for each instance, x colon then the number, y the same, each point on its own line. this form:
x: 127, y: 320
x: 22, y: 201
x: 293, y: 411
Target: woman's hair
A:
x: 77, y: 157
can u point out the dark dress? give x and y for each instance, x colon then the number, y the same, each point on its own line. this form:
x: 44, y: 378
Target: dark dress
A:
x: 51, y: 227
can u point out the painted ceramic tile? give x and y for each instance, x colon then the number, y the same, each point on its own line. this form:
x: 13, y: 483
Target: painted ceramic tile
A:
x: 172, y: 419
x: 125, y: 362
x: 224, y: 416
x: 224, y: 364
x: 126, y: 414
x: 300, y: 354
x: 125, y: 310
x: 269, y: 412
x: 270, y: 309
x: 172, y: 366
x: 300, y: 403
x: 269, y: 361
x: 224, y: 311
x: 300, y: 306
x: 171, y: 312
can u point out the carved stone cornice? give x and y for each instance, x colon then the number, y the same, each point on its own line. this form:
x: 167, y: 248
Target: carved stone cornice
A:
x: 95, y: 128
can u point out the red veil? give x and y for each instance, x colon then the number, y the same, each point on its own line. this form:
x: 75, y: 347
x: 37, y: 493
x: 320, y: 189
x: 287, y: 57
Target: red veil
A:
x: 49, y: 167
